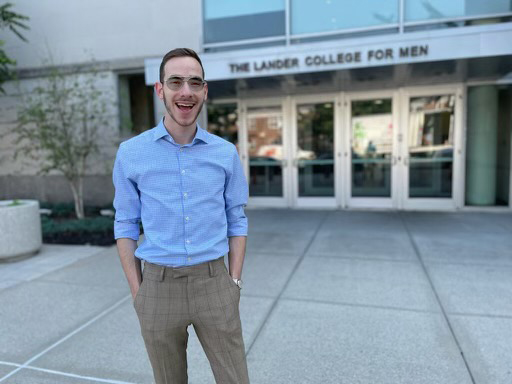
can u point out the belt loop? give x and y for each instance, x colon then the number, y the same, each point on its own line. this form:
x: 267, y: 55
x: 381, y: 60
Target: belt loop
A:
x: 162, y: 272
x: 210, y: 267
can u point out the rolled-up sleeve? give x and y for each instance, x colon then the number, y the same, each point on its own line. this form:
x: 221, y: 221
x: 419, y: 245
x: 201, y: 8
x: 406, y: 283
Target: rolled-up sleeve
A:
x: 126, y: 202
x: 236, y: 193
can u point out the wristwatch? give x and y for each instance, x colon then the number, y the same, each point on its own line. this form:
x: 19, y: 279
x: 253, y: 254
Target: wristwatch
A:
x: 238, y: 282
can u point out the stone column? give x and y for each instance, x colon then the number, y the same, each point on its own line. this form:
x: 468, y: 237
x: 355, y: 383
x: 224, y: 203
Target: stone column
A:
x: 482, y: 136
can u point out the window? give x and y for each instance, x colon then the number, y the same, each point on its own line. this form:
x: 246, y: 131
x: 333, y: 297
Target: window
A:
x: 310, y: 16
x: 440, y: 9
x: 136, y: 105
x: 430, y: 142
x: 235, y: 24
x: 223, y: 121
x: 230, y: 20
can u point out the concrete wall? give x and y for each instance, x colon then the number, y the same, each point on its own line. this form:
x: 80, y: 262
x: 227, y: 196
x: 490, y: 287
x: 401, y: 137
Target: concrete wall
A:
x: 19, y: 178
x: 118, y: 35
x: 17, y: 94
x: 114, y: 30
x: 98, y: 190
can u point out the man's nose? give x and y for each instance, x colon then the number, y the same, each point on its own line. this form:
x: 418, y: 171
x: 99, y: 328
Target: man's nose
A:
x: 185, y: 89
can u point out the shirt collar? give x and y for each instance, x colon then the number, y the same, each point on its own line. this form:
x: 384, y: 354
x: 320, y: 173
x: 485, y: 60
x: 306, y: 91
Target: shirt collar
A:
x: 160, y: 131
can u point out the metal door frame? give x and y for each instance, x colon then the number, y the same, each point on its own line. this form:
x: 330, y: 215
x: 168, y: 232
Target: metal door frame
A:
x: 371, y: 202
x: 456, y: 201
x: 314, y: 202
x: 283, y: 102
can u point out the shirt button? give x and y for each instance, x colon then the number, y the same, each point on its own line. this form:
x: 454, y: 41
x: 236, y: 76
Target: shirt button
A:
x: 187, y: 218
x: 187, y: 241
x: 181, y: 149
x: 189, y: 258
x: 183, y: 172
x: 185, y: 195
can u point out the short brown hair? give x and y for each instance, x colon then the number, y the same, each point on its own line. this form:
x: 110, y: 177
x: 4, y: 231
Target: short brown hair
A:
x: 178, y: 52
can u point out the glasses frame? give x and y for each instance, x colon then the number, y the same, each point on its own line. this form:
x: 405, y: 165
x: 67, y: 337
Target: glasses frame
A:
x: 185, y: 80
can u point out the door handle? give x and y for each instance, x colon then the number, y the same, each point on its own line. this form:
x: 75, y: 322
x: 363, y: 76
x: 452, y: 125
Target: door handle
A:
x: 284, y: 163
x: 295, y: 162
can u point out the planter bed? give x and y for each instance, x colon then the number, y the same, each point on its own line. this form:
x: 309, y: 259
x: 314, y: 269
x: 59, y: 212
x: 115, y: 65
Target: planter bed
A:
x: 91, y: 230
x: 62, y: 226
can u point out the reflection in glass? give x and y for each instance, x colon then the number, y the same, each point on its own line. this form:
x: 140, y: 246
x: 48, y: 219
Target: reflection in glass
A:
x: 315, y: 152
x: 372, y: 147
x: 440, y: 9
x: 265, y: 131
x: 431, y: 134
x: 223, y: 121
x: 230, y: 20
x: 310, y: 16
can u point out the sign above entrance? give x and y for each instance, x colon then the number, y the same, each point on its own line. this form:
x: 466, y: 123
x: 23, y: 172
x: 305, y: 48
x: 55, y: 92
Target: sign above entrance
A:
x: 315, y: 62
x: 447, y: 44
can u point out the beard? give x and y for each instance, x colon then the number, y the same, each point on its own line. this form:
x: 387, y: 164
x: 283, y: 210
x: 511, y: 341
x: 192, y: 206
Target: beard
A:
x: 183, y: 123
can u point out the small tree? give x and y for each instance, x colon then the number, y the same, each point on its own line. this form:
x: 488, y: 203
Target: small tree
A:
x: 58, y: 126
x: 14, y: 22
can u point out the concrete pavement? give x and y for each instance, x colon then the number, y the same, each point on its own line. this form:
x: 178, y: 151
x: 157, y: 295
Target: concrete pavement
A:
x: 329, y: 297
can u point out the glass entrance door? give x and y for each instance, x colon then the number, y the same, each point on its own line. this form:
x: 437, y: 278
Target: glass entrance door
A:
x: 266, y: 155
x: 313, y: 152
x: 371, y: 156
x: 355, y: 150
x: 432, y: 135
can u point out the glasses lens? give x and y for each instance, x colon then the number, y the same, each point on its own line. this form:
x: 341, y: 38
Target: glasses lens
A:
x: 174, y: 83
x: 195, y: 84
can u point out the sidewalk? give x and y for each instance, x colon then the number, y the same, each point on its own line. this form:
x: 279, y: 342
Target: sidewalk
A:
x: 329, y: 297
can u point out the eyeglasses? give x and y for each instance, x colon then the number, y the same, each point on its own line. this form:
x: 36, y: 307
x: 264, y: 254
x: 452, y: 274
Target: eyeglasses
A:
x: 175, y: 83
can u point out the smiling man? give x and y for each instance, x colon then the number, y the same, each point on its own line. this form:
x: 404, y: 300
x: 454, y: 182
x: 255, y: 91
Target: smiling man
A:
x: 188, y: 189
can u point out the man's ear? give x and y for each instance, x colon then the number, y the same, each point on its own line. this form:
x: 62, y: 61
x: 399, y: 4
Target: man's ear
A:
x: 205, y: 92
x: 159, y: 89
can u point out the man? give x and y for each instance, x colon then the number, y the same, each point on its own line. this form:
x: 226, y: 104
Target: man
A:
x: 188, y: 188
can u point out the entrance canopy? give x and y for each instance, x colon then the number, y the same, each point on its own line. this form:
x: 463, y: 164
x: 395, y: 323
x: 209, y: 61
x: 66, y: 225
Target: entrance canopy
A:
x: 496, y: 69
x: 414, y: 47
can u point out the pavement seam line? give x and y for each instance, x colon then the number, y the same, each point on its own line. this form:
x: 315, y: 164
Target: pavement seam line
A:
x: 326, y: 256
x: 61, y: 282
x: 60, y: 373
x: 355, y: 305
x: 250, y: 295
x: 290, y: 276
x: 475, y: 264
x: 503, y: 225
x: 281, y: 254
x: 69, y: 335
x: 40, y: 275
x: 440, y: 303
x: 74, y: 375
x: 10, y: 364
x: 481, y: 315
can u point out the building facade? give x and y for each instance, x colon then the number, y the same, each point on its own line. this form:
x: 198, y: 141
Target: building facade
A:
x: 403, y: 104
x: 113, y: 38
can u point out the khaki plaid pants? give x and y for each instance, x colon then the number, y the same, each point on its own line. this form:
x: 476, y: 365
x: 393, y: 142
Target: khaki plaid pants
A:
x: 204, y: 295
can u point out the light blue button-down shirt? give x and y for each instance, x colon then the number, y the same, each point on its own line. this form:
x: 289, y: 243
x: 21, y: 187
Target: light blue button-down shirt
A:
x: 190, y: 197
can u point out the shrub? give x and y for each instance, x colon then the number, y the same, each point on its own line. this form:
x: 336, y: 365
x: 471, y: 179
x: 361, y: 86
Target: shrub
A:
x: 63, y: 228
